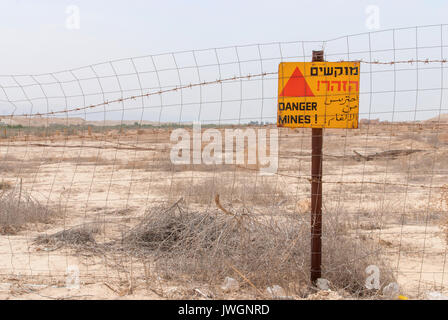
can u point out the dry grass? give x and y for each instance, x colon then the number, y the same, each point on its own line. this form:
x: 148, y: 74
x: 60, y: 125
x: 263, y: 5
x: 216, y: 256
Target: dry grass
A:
x: 258, y: 250
x: 81, y: 236
x: 8, y: 163
x: 264, y: 250
x: 261, y: 191
x: 163, y: 163
x: 18, y: 208
x: 203, y: 243
x: 5, y: 185
x: 443, y: 207
x: 77, y: 160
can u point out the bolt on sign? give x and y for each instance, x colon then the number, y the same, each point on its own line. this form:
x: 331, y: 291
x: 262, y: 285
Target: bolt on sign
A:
x: 318, y: 95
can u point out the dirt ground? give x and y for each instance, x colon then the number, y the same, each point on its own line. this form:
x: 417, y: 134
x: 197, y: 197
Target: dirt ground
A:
x: 386, y: 182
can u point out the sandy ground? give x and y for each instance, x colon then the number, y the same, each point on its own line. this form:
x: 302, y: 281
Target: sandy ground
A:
x: 392, y: 198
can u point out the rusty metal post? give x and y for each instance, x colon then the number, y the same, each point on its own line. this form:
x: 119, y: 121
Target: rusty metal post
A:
x: 316, y: 194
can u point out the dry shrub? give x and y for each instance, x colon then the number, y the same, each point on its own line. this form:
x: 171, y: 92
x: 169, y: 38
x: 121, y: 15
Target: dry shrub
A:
x: 80, y: 236
x: 18, y: 208
x: 260, y: 191
x: 421, y: 167
x: 77, y: 160
x: 266, y: 250
x: 163, y: 163
x: 9, y: 163
x: 5, y: 185
x: 443, y: 206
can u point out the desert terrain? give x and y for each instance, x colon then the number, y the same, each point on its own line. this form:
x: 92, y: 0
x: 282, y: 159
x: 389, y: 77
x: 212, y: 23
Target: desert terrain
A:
x: 108, y: 202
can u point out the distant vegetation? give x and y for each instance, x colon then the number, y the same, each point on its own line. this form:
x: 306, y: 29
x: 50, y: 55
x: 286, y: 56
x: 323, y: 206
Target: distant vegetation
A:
x: 8, y: 131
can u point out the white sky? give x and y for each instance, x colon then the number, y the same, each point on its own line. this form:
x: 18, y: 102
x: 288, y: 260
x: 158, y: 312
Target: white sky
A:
x: 35, y: 40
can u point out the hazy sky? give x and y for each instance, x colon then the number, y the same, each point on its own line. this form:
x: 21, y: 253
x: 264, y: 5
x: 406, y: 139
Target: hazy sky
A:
x: 34, y: 37
x: 39, y: 37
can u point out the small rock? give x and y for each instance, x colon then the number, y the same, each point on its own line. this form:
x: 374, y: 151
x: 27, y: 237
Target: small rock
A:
x: 205, y: 293
x: 175, y: 292
x: 392, y: 290
x: 230, y: 284
x: 434, y: 295
x: 303, y: 206
x: 31, y: 286
x: 325, y: 295
x: 276, y: 291
x: 323, y: 284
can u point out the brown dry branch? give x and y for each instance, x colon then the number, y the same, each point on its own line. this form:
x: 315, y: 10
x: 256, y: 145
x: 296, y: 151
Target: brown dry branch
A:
x: 80, y: 236
x: 208, y: 246
x: 262, y: 192
x: 18, y: 209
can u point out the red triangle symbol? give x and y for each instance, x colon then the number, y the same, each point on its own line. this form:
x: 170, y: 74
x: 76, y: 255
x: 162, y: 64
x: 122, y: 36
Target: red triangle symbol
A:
x: 297, y: 86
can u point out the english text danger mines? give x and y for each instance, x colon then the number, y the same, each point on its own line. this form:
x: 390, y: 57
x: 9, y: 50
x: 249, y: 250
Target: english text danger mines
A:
x: 297, y: 106
x: 296, y: 119
x: 302, y: 106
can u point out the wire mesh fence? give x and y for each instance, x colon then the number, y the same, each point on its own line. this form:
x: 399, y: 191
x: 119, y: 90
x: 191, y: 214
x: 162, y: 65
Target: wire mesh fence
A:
x: 91, y: 195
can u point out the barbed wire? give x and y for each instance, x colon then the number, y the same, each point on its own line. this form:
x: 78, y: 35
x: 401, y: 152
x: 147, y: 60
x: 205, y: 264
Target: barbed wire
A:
x: 206, y: 83
x: 133, y: 97
x: 383, y: 183
x: 410, y: 61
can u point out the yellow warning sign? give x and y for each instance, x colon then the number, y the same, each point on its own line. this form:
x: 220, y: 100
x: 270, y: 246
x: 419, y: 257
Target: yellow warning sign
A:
x: 318, y: 95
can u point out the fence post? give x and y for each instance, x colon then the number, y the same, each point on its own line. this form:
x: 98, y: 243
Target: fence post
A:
x: 316, y: 194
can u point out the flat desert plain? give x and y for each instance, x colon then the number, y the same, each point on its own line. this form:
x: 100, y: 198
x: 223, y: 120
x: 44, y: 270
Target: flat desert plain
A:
x: 92, y: 191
